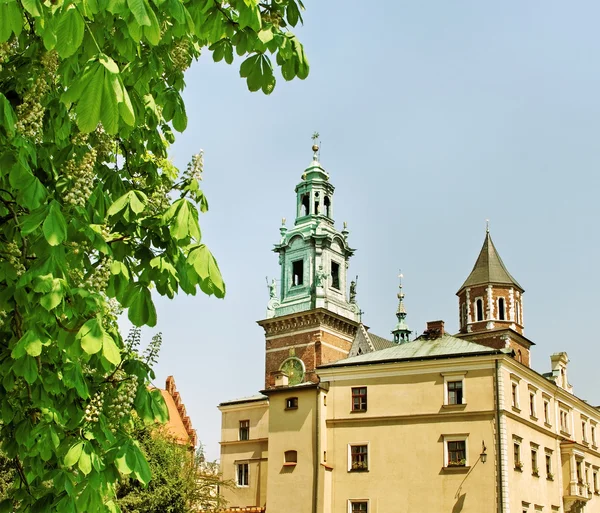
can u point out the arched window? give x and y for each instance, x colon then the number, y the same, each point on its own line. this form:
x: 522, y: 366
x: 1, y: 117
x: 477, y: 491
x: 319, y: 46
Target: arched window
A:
x: 327, y: 203
x: 518, y: 311
x: 479, y: 307
x: 317, y: 204
x: 501, y: 314
x: 305, y: 205
x: 519, y: 356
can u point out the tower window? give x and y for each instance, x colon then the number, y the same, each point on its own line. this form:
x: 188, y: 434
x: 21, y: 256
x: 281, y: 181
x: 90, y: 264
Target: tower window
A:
x: 479, y: 308
x: 317, y: 207
x: 501, y: 314
x: 327, y: 203
x: 305, y: 205
x: 335, y: 275
x: 297, y: 273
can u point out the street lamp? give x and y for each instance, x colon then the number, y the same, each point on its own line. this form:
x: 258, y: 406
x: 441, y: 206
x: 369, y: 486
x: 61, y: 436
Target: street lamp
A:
x: 483, y: 455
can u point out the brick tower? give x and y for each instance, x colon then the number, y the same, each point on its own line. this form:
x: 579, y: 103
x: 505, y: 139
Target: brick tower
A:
x: 313, y: 320
x: 490, y: 304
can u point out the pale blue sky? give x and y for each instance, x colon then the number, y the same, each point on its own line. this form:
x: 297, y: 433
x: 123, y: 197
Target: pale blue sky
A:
x: 434, y: 115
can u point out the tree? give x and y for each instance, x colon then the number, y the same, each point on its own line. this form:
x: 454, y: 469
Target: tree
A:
x: 93, y: 216
x: 181, y: 481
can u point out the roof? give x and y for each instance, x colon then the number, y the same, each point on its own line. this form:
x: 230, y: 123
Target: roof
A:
x: 249, y: 399
x: 420, y: 348
x: 179, y: 424
x: 489, y: 268
x: 379, y: 342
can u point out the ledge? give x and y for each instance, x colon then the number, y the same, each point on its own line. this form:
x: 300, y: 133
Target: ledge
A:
x: 454, y: 406
x: 516, y: 408
x: 456, y: 470
x: 290, y: 464
x: 358, y: 411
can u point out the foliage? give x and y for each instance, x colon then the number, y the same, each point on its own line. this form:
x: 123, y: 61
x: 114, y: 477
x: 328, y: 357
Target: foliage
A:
x: 181, y: 481
x: 93, y: 216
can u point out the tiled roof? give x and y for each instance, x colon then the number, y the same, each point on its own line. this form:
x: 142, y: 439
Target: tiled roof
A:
x: 380, y: 342
x: 489, y: 268
x: 444, y: 346
x: 249, y: 399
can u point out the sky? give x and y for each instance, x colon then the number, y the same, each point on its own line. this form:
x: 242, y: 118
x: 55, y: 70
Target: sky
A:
x: 434, y: 116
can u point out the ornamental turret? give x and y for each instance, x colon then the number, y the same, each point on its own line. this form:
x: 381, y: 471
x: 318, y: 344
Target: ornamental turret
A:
x: 401, y: 332
x: 313, y: 255
x: 490, y: 303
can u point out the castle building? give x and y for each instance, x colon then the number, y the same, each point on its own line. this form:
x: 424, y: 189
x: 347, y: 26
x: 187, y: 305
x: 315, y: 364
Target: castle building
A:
x: 351, y: 422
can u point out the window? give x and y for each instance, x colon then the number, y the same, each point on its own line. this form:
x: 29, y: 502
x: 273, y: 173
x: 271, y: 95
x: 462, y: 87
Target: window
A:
x: 564, y: 420
x: 359, y: 399
x: 534, y: 465
x: 335, y: 275
x: 584, y: 431
x: 304, y: 207
x: 593, y: 432
x: 532, y: 404
x: 595, y: 481
x: 291, y: 403
x: 501, y: 309
x: 359, y: 458
x: 517, y: 456
x: 359, y: 507
x: 317, y: 210
x: 290, y: 457
x: 327, y: 203
x: 479, y: 309
x: 457, y: 453
x: 242, y: 474
x: 244, y: 430
x: 515, y: 395
x: 549, y: 474
x: 546, y: 412
x: 297, y: 273
x: 579, y: 473
x: 455, y: 392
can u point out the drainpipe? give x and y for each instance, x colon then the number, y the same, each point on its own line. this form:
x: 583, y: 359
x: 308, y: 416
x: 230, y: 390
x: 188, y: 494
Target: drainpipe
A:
x: 500, y: 480
x: 317, y: 452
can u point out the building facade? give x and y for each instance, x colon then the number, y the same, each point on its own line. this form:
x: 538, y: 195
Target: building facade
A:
x: 352, y: 422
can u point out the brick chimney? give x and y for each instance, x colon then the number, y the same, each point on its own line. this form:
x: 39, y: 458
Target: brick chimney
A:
x: 435, y: 329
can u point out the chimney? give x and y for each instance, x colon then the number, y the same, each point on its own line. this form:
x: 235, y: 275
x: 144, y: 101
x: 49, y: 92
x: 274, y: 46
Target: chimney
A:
x: 435, y: 329
x: 281, y: 379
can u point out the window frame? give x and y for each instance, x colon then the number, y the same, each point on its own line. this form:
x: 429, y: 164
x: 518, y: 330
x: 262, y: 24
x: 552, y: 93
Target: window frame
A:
x: 476, y: 309
x: 291, y: 403
x: 515, y: 392
x: 336, y: 276
x: 535, y: 468
x: 564, y: 413
x: 290, y: 458
x: 359, y: 501
x: 362, y: 406
x: 239, y: 464
x: 546, y: 410
x: 593, y: 439
x: 300, y: 276
x: 548, y: 464
x: 350, y: 457
x: 245, y: 428
x: 454, y: 377
x: 501, y: 310
x: 517, y: 459
x: 455, y: 438
x: 584, y: 430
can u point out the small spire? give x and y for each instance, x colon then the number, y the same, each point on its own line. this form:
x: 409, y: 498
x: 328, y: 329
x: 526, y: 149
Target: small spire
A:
x: 487, y: 226
x: 401, y: 332
x: 315, y: 147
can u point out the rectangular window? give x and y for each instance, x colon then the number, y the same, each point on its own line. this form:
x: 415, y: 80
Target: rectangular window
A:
x: 335, y: 275
x: 549, y: 474
x: 297, y: 273
x: 359, y: 507
x: 291, y: 403
x: 564, y: 421
x: 515, y: 395
x: 579, y: 473
x: 359, y: 458
x: 584, y: 431
x: 593, y: 431
x: 534, y: 466
x: 517, y: 456
x: 457, y: 453
x: 532, y: 404
x: 242, y: 474
x: 546, y: 412
x: 595, y: 480
x: 455, y: 392
x: 359, y: 399
x: 244, y: 430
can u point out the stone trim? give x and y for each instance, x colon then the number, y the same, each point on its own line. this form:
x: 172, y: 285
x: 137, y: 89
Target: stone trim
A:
x: 314, y: 318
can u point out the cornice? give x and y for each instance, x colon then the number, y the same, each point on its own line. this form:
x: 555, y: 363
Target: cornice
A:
x: 316, y: 318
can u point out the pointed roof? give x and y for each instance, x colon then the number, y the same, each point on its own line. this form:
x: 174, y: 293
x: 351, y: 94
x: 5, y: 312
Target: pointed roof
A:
x: 489, y: 268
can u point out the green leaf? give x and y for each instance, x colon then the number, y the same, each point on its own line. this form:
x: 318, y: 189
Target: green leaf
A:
x: 73, y: 454
x: 11, y: 21
x: 85, y: 459
x: 20, y: 349
x: 110, y: 351
x: 141, y: 308
x: 140, y: 12
x: 26, y: 367
x: 108, y: 63
x: 69, y: 33
x: 91, y: 336
x: 33, y: 7
x: 90, y: 103
x: 205, y: 265
x: 54, y: 227
x: 31, y: 222
x: 8, y: 119
x: 292, y: 13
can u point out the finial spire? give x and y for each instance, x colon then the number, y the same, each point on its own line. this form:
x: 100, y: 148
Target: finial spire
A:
x: 315, y: 147
x: 401, y: 332
x: 487, y: 226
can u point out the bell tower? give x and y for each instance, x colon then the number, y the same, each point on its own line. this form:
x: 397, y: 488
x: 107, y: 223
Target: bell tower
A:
x: 313, y: 319
x: 490, y: 304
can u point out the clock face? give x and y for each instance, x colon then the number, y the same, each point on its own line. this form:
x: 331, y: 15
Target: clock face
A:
x: 294, y: 368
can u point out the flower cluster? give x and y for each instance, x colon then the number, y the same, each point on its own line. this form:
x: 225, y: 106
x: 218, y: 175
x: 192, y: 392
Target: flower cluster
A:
x: 12, y: 254
x: 151, y: 352
x: 196, y: 166
x: 180, y: 55
x: 94, y: 408
x: 81, y: 175
x: 123, y: 400
x: 98, y: 279
x: 3, y: 316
